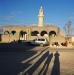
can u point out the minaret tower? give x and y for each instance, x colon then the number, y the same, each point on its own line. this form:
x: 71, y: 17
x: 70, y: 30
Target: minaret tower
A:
x: 40, y: 17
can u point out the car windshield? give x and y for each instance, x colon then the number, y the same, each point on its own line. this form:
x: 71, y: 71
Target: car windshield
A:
x: 41, y: 39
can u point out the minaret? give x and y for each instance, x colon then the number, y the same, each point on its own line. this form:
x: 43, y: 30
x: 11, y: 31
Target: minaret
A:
x: 40, y: 17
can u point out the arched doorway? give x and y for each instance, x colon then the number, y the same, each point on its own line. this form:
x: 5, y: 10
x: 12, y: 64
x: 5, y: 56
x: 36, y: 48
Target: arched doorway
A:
x: 6, y: 33
x: 13, y: 32
x: 23, y: 35
x: 52, y: 33
x: 34, y: 33
x: 43, y: 33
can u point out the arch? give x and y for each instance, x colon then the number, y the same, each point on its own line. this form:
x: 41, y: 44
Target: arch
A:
x: 34, y: 33
x: 6, y: 32
x: 13, y: 32
x: 43, y: 32
x: 52, y: 33
x: 22, y: 33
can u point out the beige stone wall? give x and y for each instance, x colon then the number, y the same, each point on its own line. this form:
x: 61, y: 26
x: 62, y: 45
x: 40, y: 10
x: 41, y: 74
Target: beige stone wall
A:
x: 58, y: 39
x: 72, y: 39
x: 28, y: 30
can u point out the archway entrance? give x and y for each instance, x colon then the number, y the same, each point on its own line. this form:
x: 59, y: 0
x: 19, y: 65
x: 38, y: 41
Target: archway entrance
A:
x: 52, y: 33
x: 13, y: 32
x: 34, y: 33
x: 23, y: 35
x: 43, y: 33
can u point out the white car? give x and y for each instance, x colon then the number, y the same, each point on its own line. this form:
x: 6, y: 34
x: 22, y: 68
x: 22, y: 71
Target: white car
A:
x: 40, y: 41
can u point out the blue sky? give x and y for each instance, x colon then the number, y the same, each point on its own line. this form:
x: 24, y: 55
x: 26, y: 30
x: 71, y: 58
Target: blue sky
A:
x: 25, y: 12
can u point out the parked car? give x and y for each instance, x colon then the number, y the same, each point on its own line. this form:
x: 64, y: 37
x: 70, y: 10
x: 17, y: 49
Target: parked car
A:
x: 40, y: 41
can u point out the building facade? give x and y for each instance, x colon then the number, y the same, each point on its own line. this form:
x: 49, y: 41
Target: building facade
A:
x: 51, y: 32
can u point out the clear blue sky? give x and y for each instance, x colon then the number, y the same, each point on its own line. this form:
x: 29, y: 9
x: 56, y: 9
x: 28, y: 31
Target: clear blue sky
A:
x: 26, y: 11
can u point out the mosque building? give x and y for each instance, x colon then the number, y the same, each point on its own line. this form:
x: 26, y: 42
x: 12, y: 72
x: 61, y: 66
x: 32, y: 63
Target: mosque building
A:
x: 50, y: 31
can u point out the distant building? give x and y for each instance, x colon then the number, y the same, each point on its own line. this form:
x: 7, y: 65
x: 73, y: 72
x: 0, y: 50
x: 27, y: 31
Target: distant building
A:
x: 51, y: 32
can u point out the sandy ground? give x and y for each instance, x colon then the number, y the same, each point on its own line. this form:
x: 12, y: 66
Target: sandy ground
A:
x: 67, y: 63
x: 45, y: 62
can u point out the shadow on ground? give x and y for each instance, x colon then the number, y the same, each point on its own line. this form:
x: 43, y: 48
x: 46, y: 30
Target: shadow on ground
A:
x: 56, y: 65
x: 15, y: 46
x: 11, y: 54
x: 44, y: 69
x: 10, y: 63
